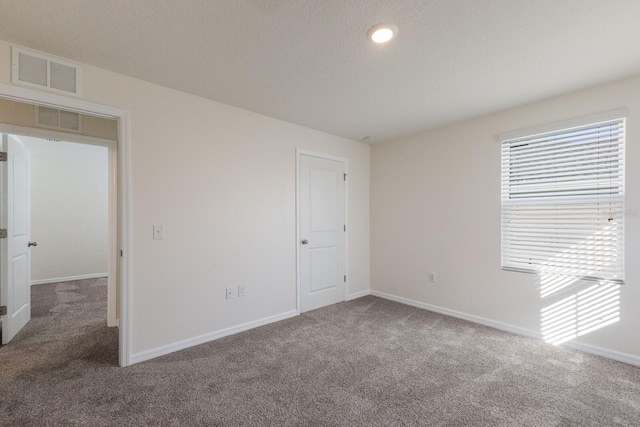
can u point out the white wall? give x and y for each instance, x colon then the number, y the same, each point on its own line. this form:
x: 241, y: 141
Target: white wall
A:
x: 69, y: 206
x: 435, y: 200
x: 222, y: 182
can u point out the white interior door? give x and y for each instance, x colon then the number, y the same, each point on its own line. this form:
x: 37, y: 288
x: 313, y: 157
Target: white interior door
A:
x: 16, y: 259
x: 322, y: 232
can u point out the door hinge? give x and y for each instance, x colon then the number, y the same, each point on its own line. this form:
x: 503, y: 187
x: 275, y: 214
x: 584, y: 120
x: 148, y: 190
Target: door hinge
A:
x: 345, y: 278
x: 345, y: 227
x: 3, y: 157
x: 121, y: 253
x: 345, y: 176
x: 3, y: 233
x: 3, y: 310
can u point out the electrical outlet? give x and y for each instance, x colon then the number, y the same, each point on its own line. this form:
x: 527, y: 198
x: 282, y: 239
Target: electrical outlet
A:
x: 241, y: 291
x: 432, y: 277
x: 230, y: 292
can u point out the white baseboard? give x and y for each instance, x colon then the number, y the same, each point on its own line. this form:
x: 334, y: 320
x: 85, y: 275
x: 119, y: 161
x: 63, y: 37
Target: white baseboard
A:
x: 69, y: 278
x: 357, y: 295
x: 211, y: 336
x: 604, y: 352
x: 587, y: 348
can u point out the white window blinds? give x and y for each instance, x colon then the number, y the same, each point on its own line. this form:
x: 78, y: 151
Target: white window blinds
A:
x: 562, y: 202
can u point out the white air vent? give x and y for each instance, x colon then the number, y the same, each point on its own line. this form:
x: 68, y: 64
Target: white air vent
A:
x: 53, y: 118
x: 38, y: 70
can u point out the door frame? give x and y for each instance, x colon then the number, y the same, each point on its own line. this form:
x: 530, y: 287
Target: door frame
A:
x: 302, y: 152
x: 124, y: 215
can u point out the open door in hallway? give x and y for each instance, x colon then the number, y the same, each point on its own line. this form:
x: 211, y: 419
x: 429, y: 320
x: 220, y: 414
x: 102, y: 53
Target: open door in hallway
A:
x: 16, y: 257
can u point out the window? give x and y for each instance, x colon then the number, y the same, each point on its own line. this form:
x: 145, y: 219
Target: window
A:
x: 563, y: 202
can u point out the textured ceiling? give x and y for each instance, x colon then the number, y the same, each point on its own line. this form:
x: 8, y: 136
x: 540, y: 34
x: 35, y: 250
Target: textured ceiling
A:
x: 308, y: 62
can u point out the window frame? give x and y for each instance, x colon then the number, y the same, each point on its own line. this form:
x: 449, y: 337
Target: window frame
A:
x: 559, y: 127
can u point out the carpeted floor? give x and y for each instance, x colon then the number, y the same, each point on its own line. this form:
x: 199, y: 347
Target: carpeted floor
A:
x: 365, y: 362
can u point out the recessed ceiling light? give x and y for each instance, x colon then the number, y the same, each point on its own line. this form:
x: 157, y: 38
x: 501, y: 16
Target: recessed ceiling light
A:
x: 382, y: 33
x: 369, y: 139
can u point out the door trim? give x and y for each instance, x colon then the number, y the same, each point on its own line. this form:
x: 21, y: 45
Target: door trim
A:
x: 20, y: 94
x: 345, y: 161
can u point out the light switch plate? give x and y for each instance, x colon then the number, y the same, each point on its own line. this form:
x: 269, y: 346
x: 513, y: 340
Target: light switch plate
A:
x: 158, y: 232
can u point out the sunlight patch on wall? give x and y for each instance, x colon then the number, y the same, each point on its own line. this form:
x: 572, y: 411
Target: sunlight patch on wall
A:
x: 589, y: 306
x: 581, y: 313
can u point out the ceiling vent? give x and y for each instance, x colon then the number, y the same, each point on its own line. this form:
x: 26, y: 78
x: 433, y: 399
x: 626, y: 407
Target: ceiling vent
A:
x: 62, y: 120
x: 37, y: 70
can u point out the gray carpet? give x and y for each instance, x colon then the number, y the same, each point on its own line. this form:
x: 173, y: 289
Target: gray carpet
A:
x: 365, y: 362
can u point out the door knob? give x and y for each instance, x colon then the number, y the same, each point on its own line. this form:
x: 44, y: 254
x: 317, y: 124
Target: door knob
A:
x: 305, y: 241
x: 32, y: 244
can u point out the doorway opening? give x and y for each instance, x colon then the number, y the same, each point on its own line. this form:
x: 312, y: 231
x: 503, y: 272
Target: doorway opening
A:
x: 69, y: 211
x: 118, y: 269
